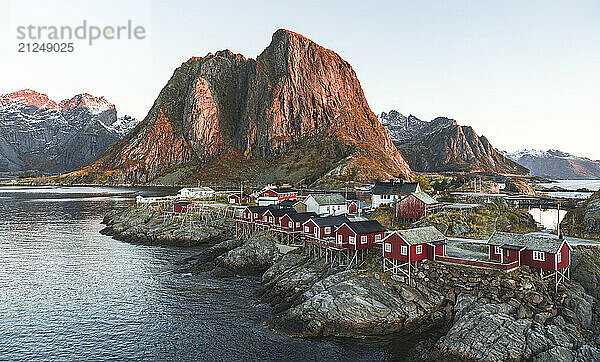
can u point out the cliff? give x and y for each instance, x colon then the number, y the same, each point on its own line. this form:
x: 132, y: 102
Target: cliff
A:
x: 294, y: 114
x: 40, y: 136
x: 443, y: 145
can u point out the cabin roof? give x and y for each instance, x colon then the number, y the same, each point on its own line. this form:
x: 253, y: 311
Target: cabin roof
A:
x: 548, y: 244
x: 302, y: 216
x: 258, y: 209
x: 395, y: 188
x: 329, y: 199
x: 281, y: 212
x: 365, y: 227
x: 421, y: 235
x: 287, y: 203
x: 425, y: 198
x: 330, y: 220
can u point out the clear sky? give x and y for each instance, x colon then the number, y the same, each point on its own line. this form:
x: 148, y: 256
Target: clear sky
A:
x: 526, y: 74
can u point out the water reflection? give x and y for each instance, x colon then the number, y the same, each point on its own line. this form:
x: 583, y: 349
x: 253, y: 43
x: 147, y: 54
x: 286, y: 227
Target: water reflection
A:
x: 67, y: 292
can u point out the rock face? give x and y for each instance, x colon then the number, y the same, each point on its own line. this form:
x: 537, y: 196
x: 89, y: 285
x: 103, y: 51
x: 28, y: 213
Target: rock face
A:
x: 40, y: 136
x: 145, y: 226
x: 295, y: 113
x: 556, y: 164
x: 584, y: 221
x: 519, y: 186
x: 444, y: 145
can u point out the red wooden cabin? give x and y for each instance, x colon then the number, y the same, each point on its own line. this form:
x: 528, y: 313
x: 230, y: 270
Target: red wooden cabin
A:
x: 414, y: 244
x: 238, y: 199
x: 182, y: 206
x: 273, y: 216
x: 274, y: 196
x: 353, y: 207
x: 293, y: 221
x: 358, y: 235
x: 416, y: 206
x: 536, y: 251
x: 254, y: 213
x: 320, y: 229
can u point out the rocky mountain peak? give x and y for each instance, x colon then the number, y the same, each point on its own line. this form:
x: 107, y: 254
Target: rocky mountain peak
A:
x: 297, y: 98
x: 87, y: 101
x: 28, y: 97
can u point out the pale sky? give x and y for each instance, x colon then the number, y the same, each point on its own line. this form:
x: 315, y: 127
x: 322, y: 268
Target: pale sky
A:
x: 526, y: 74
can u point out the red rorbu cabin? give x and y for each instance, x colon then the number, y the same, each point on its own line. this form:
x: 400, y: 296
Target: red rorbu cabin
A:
x: 274, y: 196
x: 273, y: 216
x: 238, y: 199
x: 255, y: 213
x: 414, y: 244
x: 322, y: 228
x: 537, y: 251
x: 182, y: 206
x: 416, y: 206
x: 359, y: 235
x: 293, y: 221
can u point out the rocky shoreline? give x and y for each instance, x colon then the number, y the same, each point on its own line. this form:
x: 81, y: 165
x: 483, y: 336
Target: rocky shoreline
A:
x: 457, y: 313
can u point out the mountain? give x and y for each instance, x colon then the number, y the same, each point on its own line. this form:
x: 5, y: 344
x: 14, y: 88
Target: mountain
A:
x: 41, y: 136
x: 556, y: 164
x: 443, y: 145
x: 297, y: 113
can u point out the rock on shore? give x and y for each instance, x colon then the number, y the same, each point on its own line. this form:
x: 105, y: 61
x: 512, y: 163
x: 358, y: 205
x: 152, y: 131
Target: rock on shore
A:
x: 146, y: 226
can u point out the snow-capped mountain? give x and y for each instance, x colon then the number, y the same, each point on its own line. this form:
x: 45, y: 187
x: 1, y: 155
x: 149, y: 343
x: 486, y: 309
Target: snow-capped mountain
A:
x: 556, y: 164
x: 443, y: 145
x: 41, y: 136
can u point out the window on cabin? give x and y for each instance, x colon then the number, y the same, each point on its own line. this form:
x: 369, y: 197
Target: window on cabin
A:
x: 404, y: 250
x: 377, y: 237
x: 339, y: 239
x: 297, y: 224
x: 497, y: 249
x: 328, y: 230
x: 539, y: 255
x: 419, y: 249
x: 558, y: 258
x: 363, y: 239
x: 306, y: 229
x: 388, y: 247
x: 255, y: 216
x: 352, y: 240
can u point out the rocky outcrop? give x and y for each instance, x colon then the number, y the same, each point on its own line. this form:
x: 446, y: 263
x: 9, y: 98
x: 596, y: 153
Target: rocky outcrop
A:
x: 295, y: 113
x: 519, y: 186
x: 145, y: 226
x: 444, y: 145
x: 39, y: 136
x: 584, y: 220
x: 556, y: 164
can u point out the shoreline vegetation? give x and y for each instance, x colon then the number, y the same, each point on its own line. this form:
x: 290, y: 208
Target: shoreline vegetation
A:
x: 446, y: 310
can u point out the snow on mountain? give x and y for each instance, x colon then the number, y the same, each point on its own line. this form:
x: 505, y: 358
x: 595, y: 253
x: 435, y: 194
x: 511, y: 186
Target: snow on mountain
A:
x: 556, y: 164
x: 41, y: 136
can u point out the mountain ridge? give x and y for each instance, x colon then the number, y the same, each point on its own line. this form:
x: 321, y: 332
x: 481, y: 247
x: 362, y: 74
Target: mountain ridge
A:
x: 224, y: 105
x: 554, y: 163
x: 442, y: 145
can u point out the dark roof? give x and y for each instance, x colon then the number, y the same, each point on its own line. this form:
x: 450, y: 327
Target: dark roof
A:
x: 258, y: 209
x: 421, y: 235
x: 330, y: 220
x: 366, y: 227
x: 182, y: 203
x: 287, y: 203
x: 548, y: 244
x: 395, y: 188
x: 302, y: 216
x: 281, y: 212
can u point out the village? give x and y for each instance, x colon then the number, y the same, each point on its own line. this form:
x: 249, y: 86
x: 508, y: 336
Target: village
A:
x: 339, y: 229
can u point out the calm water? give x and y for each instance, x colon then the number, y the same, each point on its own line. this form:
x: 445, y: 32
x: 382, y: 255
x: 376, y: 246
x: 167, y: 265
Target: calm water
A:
x: 69, y: 293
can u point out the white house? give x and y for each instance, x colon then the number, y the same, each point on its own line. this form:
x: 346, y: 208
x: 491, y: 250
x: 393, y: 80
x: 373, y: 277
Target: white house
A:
x: 332, y: 204
x: 201, y: 192
x: 390, y: 192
